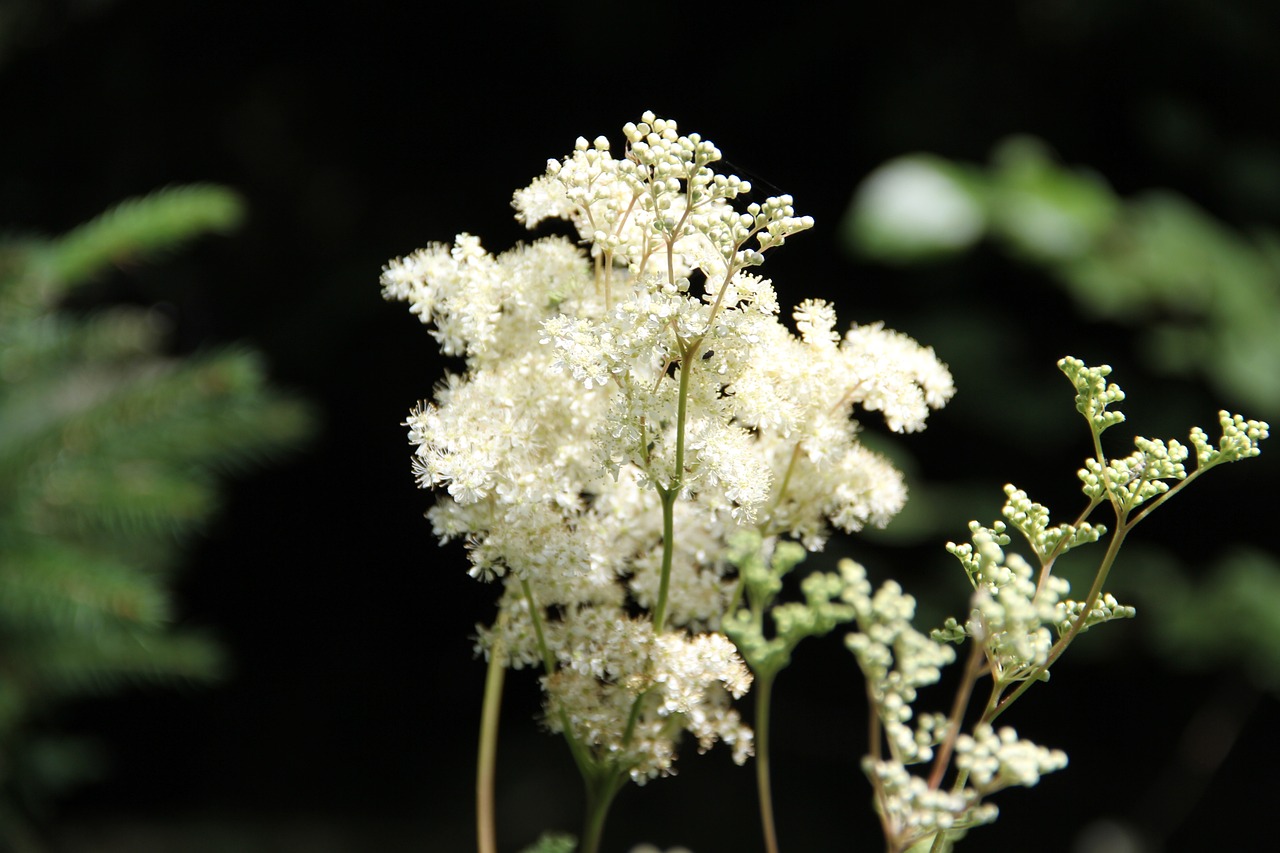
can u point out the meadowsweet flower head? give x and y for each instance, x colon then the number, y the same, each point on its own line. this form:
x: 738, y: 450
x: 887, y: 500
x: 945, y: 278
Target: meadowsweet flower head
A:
x: 630, y: 399
x: 640, y: 443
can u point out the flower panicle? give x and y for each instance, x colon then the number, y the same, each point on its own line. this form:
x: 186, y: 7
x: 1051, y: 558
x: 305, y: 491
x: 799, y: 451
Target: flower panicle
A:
x: 630, y: 400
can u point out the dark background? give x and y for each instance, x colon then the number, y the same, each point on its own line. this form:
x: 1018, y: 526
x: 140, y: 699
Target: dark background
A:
x: 362, y: 134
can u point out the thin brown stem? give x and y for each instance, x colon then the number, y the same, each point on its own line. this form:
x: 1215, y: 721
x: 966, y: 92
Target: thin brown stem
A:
x: 972, y: 672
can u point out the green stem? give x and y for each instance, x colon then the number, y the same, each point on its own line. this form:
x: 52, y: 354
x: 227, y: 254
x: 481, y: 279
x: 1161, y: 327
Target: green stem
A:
x: 786, y: 482
x: 600, y: 794
x: 581, y: 755
x: 671, y: 492
x: 682, y: 410
x: 633, y: 718
x: 486, y: 759
x: 668, y: 551
x: 535, y: 615
x: 601, y: 779
x: 764, y: 692
x: 1158, y: 501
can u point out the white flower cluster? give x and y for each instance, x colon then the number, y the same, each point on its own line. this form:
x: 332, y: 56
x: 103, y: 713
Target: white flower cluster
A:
x: 1032, y: 520
x: 1240, y: 437
x: 1138, y: 477
x: 910, y: 810
x: 1093, y: 392
x: 896, y: 660
x: 611, y: 665
x: 626, y: 406
x: 1144, y: 474
x: 1105, y: 609
x: 1012, y: 614
x: 1012, y: 620
x: 998, y: 759
x: 1009, y: 619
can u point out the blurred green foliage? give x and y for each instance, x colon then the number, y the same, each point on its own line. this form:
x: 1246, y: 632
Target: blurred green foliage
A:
x: 1201, y: 299
x: 1231, y: 617
x: 553, y: 842
x: 110, y: 451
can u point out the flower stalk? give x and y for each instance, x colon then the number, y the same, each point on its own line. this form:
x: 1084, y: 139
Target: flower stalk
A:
x: 641, y: 526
